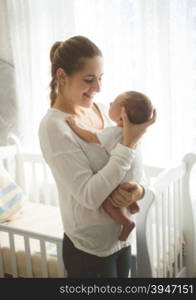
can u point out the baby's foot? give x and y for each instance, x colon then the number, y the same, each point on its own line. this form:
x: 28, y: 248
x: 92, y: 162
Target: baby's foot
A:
x: 126, y: 231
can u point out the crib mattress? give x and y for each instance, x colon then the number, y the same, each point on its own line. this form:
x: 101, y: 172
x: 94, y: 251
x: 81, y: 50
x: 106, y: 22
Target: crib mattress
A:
x: 39, y: 218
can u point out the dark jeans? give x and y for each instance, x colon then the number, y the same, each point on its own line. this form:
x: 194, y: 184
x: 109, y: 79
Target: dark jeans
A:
x: 80, y: 264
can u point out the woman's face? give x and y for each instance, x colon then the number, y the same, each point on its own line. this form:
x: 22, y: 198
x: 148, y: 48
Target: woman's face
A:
x: 80, y: 88
x: 115, y: 109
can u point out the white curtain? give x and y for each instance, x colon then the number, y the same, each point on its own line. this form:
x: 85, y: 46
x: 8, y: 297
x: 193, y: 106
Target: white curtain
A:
x: 35, y: 25
x: 148, y: 45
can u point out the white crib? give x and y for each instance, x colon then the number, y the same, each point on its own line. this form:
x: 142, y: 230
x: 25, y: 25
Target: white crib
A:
x: 165, y: 232
x: 31, y: 244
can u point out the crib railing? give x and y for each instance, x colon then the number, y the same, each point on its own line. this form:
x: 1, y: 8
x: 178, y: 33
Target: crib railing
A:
x: 32, y: 173
x: 161, y: 225
x: 41, y: 257
x: 36, y: 179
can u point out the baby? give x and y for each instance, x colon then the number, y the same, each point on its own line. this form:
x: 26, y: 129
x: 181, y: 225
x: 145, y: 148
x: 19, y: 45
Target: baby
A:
x: 139, y: 109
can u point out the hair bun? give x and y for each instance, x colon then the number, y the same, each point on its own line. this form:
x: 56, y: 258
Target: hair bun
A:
x: 53, y: 50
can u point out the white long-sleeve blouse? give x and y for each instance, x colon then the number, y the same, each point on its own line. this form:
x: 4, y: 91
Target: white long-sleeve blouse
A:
x: 84, y: 181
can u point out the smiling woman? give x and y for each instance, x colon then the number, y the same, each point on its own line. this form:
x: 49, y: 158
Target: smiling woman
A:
x: 77, y: 68
x: 81, y: 86
x: 91, y: 243
x: 67, y: 58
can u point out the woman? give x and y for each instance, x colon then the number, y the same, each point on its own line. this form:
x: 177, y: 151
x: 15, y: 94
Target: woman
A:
x: 90, y: 246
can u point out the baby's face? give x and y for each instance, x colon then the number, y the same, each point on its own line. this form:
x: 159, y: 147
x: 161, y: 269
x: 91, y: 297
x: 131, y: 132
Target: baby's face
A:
x: 115, y: 109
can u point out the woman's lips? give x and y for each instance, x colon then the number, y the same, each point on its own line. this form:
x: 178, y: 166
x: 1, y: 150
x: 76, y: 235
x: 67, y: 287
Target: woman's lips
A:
x: 89, y: 96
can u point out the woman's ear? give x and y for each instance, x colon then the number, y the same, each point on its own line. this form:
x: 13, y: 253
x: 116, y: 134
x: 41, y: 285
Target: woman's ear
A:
x: 60, y: 76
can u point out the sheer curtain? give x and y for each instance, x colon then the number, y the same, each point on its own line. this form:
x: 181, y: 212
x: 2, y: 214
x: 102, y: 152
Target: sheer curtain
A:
x: 35, y: 26
x: 148, y: 45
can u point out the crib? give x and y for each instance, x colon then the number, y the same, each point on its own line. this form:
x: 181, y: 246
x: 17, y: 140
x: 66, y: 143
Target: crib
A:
x: 164, y: 241
x: 166, y: 231
x: 31, y: 242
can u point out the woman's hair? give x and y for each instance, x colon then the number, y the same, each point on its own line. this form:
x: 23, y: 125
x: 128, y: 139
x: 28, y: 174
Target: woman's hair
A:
x: 70, y: 55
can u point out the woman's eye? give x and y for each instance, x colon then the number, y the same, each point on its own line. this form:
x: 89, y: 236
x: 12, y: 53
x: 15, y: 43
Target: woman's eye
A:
x: 88, y: 80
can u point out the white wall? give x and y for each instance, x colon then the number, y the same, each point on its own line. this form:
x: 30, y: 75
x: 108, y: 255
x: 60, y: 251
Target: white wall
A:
x: 5, y: 44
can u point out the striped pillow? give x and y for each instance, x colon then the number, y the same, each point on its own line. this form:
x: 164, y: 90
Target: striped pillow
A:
x: 11, y: 196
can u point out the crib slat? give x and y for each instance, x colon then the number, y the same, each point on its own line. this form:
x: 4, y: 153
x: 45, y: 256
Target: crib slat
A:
x: 157, y: 238
x: 43, y: 258
x: 13, y: 255
x: 11, y: 168
x: 176, y: 229
x: 34, y: 183
x: 47, y: 199
x: 173, y: 214
x: 61, y: 270
x: 20, y: 173
x: 151, y: 234
x: 170, y: 231
x: 28, y: 257
x: 1, y: 263
x: 180, y: 223
x: 164, y: 231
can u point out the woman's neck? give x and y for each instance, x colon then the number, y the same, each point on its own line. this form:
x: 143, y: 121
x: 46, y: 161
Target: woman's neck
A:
x: 69, y: 107
x: 89, y: 115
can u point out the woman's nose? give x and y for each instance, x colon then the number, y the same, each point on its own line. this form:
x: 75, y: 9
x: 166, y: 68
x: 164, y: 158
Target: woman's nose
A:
x: 97, y: 86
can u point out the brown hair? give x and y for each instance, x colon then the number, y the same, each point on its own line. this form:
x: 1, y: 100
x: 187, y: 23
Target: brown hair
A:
x: 70, y: 56
x: 138, y: 107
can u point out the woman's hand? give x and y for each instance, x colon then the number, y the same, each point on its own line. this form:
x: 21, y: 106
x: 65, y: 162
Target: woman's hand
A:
x: 126, y: 194
x: 133, y: 132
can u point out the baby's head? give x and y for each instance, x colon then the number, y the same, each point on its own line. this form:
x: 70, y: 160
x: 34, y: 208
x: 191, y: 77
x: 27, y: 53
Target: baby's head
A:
x: 138, y: 107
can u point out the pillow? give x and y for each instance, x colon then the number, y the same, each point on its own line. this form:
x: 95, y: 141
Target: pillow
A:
x: 11, y: 196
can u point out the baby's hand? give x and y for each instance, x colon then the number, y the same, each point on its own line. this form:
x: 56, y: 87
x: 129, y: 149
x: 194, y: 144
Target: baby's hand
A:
x: 134, y: 208
x: 84, y: 134
x: 72, y: 121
